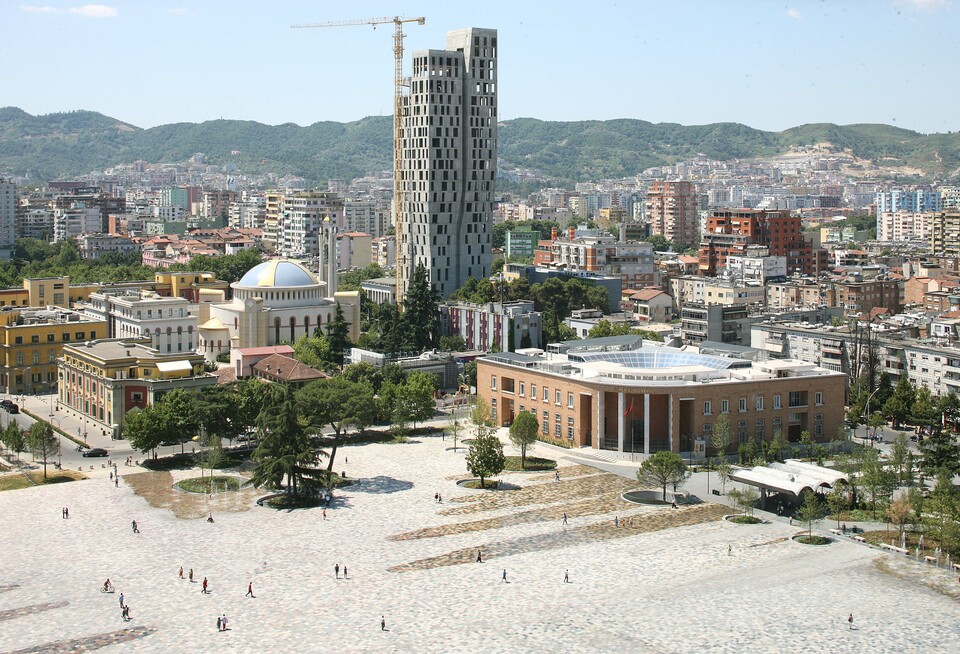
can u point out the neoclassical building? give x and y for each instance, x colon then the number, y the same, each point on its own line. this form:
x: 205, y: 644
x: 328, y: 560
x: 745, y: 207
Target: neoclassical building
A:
x: 276, y: 302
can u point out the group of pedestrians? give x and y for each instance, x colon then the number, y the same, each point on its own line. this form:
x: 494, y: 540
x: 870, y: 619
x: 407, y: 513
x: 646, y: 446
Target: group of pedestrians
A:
x: 336, y: 570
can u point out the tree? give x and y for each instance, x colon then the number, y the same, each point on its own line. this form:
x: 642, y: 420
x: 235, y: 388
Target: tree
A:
x: 806, y: 439
x: 453, y: 343
x: 745, y: 499
x: 177, y: 410
x: 145, y: 428
x: 942, y: 506
x: 364, y: 372
x: 217, y: 410
x: 775, y: 445
x: 314, y: 351
x: 924, y: 410
x: 249, y: 394
x: 523, y: 434
x: 285, y: 450
x: 661, y: 469
x: 899, y: 454
x: 418, y: 396
x: 485, y: 457
x: 338, y: 336
x: 900, y: 403
x: 837, y: 502
x: 810, y: 511
x: 720, y: 438
x: 940, y: 450
x: 337, y: 403
x: 43, y: 442
x: 481, y: 418
x: 724, y: 469
x: 420, y: 310
x: 877, y: 480
x: 899, y: 513
x: 13, y: 439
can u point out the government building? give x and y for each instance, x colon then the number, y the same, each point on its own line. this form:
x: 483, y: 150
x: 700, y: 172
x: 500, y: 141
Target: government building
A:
x: 625, y: 394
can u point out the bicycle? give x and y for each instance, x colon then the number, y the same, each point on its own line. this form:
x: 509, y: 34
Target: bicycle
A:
x: 107, y: 588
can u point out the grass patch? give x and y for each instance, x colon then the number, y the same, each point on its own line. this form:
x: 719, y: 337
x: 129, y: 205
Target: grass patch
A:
x: 218, y: 483
x: 745, y: 520
x: 14, y: 481
x: 488, y: 484
x: 533, y: 463
x: 231, y: 460
x: 860, y: 515
x: 559, y: 442
x: 164, y: 463
x: 813, y: 540
x: 290, y: 502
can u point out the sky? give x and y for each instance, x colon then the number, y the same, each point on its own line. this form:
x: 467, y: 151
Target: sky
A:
x: 768, y: 64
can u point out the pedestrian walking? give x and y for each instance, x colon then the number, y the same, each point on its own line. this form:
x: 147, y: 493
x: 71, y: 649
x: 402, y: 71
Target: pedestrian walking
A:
x: 436, y: 497
x: 850, y: 621
x: 336, y: 570
x: 125, y: 613
x: 344, y: 571
x: 63, y: 513
x: 439, y: 498
x: 191, y: 575
x: 564, y: 518
x: 181, y: 572
x: 204, y: 589
x: 556, y: 475
x: 479, y: 556
x: 121, y: 600
x: 504, y: 577
x: 324, y: 513
x: 223, y: 621
x: 566, y: 576
x: 116, y: 481
x: 66, y: 512
x: 616, y: 521
x: 136, y: 527
x: 111, y: 475
x: 729, y: 549
x: 383, y: 624
x: 219, y: 624
x: 250, y: 590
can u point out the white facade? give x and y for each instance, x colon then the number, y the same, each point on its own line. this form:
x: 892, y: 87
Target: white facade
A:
x: 449, y: 161
x: 366, y: 216
x: 166, y: 321
x: 168, y: 213
x: 304, y: 213
x: 95, y: 246
x: 904, y: 226
x: 248, y: 214
x: 71, y: 223
x: 36, y: 223
x: 757, y: 269
x: 384, y: 251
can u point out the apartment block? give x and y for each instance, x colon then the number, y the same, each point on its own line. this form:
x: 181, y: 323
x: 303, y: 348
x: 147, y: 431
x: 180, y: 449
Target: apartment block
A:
x: 673, y: 212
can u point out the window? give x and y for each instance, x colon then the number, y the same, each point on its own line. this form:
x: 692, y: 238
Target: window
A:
x: 759, y: 402
x: 523, y: 389
x: 707, y: 408
x: 776, y: 402
x: 50, y: 338
x: 493, y: 409
x: 818, y: 399
x: 760, y: 424
x: 533, y: 391
x: 743, y: 404
x: 556, y: 398
x: 523, y: 409
x: 818, y: 417
x: 546, y: 394
x: 570, y: 401
x: 545, y: 426
x: 798, y: 398
x: 818, y: 431
x: 724, y: 406
x: 742, y: 436
x: 707, y: 428
x: 556, y: 425
x: 18, y: 340
x: 493, y: 382
x: 35, y: 338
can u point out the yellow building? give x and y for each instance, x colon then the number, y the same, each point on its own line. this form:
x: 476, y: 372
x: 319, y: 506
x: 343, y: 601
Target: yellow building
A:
x: 187, y: 284
x: 32, y: 338
x: 101, y: 381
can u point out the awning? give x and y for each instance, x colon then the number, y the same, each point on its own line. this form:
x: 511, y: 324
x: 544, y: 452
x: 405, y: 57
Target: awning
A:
x: 174, y: 366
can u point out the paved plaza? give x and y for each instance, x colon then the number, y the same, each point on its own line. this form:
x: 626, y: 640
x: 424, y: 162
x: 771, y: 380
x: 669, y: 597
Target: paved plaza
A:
x: 664, y: 580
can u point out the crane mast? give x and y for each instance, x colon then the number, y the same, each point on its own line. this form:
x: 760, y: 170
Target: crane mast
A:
x: 403, y: 246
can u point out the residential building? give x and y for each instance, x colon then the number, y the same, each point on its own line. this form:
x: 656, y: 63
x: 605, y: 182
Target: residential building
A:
x: 216, y: 203
x: 8, y: 217
x: 73, y: 222
x: 492, y: 325
x: 729, y: 232
x: 672, y: 210
x: 103, y: 380
x: 242, y: 359
x: 367, y: 216
x: 354, y: 250
x: 521, y: 243
x: 601, y: 254
x: 757, y: 267
x: 384, y: 251
x: 381, y: 290
x: 945, y: 234
x: 96, y: 246
x: 903, y: 226
x: 650, y: 304
x: 31, y: 339
x: 282, y: 369
x: 448, y: 162
x: 915, y: 200
x: 626, y: 395
x: 714, y: 322
x: 305, y: 216
x: 858, y: 296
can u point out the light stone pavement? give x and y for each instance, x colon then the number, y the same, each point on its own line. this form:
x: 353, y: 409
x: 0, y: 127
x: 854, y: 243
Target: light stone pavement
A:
x: 667, y: 590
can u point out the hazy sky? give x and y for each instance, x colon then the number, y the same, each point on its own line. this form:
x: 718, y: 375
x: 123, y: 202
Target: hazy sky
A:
x: 767, y: 64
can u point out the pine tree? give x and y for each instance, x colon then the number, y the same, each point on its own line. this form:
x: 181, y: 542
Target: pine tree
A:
x: 420, y: 312
x: 338, y: 336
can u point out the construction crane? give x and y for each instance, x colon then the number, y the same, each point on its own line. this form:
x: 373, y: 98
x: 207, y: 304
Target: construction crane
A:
x: 398, y: 36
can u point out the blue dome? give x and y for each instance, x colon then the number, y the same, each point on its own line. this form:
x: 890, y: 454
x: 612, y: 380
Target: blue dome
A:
x: 277, y: 273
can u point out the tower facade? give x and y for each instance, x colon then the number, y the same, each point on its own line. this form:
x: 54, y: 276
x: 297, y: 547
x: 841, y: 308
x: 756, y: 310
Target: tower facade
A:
x: 671, y: 208
x: 448, y: 162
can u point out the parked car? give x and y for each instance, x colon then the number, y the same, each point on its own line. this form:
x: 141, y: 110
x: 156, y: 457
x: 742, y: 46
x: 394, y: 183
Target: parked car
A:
x: 7, y: 405
x: 96, y: 451
x: 13, y: 407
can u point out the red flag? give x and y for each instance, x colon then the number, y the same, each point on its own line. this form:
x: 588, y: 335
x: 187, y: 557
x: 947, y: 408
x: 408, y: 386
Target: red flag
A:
x: 629, y: 408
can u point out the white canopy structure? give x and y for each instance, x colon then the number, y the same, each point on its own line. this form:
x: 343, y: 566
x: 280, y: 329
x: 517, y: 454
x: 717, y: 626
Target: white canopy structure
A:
x: 792, y: 477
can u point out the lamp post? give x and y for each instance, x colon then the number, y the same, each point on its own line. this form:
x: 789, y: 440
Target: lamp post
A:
x: 867, y: 413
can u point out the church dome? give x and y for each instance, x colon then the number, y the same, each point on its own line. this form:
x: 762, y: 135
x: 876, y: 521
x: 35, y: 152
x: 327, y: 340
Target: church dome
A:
x: 277, y: 273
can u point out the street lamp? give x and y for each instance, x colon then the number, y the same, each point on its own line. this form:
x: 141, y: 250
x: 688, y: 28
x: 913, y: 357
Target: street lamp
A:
x: 867, y: 413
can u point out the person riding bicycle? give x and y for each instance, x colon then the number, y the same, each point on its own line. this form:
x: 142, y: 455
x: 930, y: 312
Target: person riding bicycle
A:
x: 107, y: 585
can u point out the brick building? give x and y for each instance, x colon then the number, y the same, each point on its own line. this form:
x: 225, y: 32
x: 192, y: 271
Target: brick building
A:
x: 730, y: 231
x: 672, y: 210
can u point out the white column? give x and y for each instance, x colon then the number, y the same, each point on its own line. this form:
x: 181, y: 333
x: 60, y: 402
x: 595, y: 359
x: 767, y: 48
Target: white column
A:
x: 670, y: 420
x: 600, y: 430
x: 621, y: 409
x: 646, y: 423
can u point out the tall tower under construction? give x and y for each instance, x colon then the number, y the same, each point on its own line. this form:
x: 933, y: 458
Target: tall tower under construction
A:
x: 448, y: 162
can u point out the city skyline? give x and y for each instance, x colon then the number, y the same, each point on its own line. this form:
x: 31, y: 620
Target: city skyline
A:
x: 778, y: 65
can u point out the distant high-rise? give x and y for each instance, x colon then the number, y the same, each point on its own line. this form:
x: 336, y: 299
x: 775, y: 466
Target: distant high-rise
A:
x: 672, y: 210
x: 8, y: 217
x: 448, y: 162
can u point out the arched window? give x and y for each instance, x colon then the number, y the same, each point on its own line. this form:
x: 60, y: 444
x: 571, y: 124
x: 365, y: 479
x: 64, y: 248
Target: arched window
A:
x: 276, y: 330
x: 319, y: 321
x: 293, y: 328
x: 306, y: 325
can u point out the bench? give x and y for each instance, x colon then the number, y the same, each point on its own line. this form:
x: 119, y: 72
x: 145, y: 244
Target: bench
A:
x: 930, y: 559
x: 893, y: 548
x: 859, y: 538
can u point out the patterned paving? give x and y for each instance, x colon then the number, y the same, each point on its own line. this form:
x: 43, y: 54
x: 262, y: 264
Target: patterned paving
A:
x: 21, y: 611
x: 90, y: 643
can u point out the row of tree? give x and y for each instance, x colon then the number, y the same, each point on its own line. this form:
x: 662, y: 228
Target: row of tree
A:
x: 40, y: 440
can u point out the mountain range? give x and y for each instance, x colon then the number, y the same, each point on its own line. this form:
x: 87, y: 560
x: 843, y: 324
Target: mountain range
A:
x: 61, y: 145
